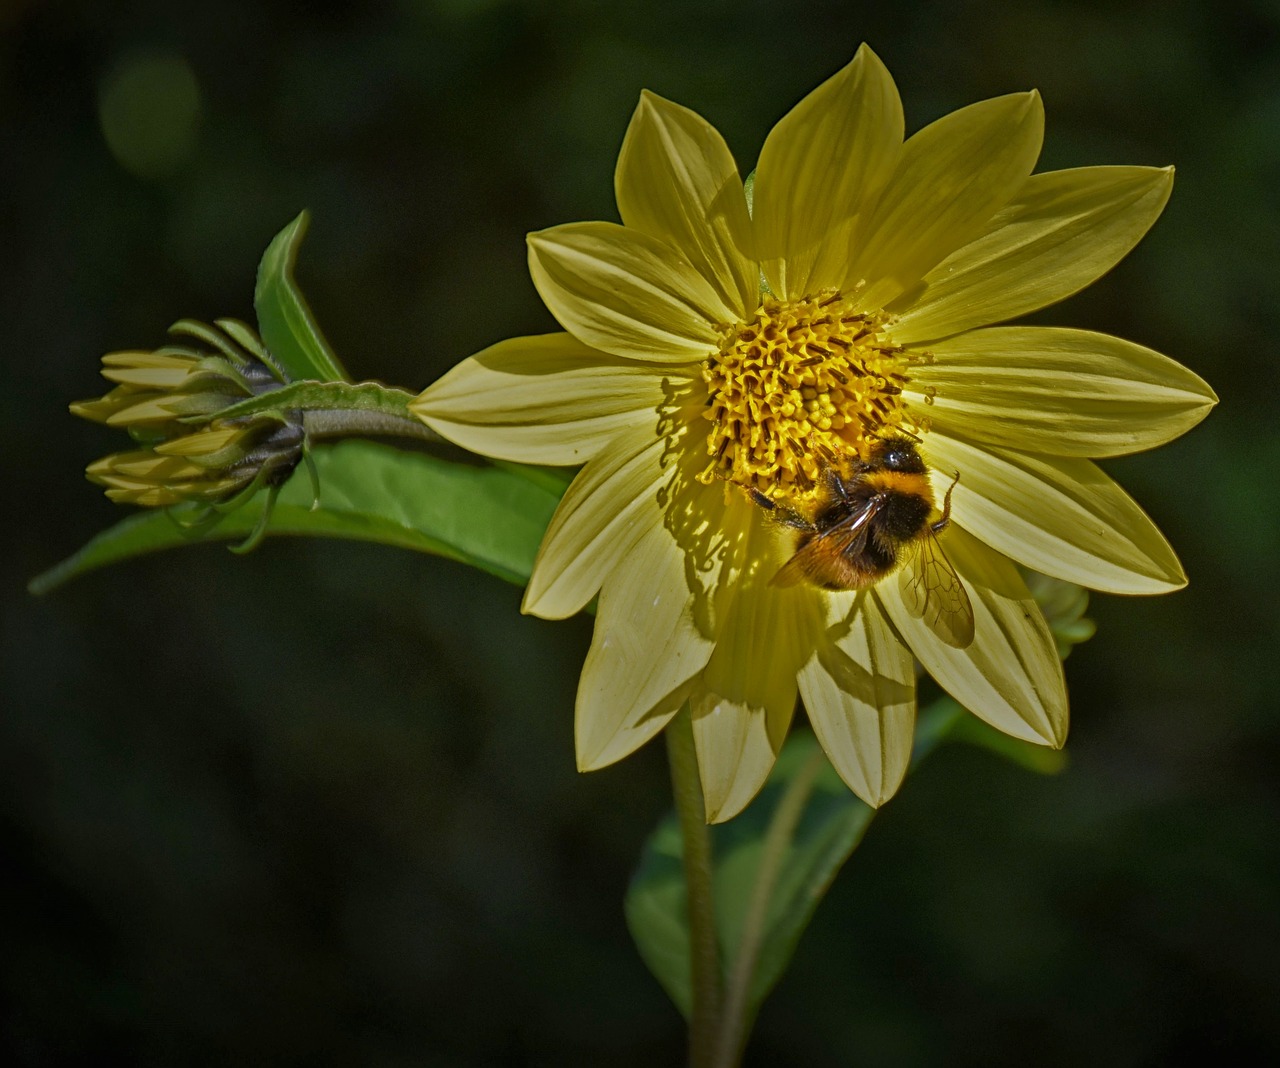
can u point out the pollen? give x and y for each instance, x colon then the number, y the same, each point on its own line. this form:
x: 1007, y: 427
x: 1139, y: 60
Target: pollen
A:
x: 800, y: 386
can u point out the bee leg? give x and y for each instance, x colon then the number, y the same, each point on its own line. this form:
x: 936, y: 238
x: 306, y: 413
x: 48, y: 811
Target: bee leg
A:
x: 945, y: 521
x: 788, y: 518
x: 836, y: 484
x: 781, y: 513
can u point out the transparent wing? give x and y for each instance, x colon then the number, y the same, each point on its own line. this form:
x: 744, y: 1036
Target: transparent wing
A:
x: 933, y: 592
x: 822, y: 559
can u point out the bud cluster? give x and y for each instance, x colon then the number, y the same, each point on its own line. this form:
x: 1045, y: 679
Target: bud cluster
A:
x: 173, y: 402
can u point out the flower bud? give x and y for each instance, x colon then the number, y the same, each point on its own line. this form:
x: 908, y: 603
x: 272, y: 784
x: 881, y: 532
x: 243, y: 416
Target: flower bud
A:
x: 171, y: 399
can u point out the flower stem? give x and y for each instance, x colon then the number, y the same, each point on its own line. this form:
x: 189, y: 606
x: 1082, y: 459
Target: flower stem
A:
x: 323, y: 423
x: 704, y: 952
x: 737, y: 1014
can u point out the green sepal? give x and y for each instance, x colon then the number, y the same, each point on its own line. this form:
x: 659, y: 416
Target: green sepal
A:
x: 486, y: 516
x: 289, y: 330
x: 329, y: 396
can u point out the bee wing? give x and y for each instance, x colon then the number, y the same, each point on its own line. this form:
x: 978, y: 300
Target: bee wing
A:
x: 932, y: 591
x: 845, y: 538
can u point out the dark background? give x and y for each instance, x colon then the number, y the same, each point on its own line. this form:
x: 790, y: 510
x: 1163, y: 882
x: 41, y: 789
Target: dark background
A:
x: 318, y: 805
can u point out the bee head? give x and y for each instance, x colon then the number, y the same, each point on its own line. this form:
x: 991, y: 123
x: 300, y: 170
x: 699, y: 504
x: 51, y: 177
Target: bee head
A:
x: 899, y: 454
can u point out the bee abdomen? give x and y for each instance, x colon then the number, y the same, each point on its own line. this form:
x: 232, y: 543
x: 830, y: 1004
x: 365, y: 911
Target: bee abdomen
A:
x: 903, y: 517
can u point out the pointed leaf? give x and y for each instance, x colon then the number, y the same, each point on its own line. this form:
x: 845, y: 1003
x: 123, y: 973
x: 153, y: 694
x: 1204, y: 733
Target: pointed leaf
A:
x: 285, y: 322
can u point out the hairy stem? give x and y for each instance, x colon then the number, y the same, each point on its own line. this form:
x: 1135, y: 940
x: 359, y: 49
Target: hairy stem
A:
x: 686, y: 786
x: 322, y: 423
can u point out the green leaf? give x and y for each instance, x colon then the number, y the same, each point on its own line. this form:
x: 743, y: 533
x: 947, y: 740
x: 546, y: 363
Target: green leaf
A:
x: 489, y: 517
x: 286, y: 324
x: 831, y: 825
x: 658, y: 912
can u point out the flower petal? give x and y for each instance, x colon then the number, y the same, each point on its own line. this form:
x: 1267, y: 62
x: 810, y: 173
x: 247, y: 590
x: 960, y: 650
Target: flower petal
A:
x: 1010, y: 675
x: 676, y: 181
x: 625, y: 292
x: 644, y: 650
x: 737, y: 744
x: 822, y: 166
x: 859, y: 690
x: 747, y: 694
x: 543, y: 400
x: 1059, y: 516
x: 951, y: 178
x: 607, y: 508
x: 1058, y: 391
x: 1064, y: 230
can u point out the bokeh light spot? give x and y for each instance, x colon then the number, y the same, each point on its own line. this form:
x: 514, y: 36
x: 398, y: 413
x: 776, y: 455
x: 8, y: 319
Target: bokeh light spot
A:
x: 149, y: 107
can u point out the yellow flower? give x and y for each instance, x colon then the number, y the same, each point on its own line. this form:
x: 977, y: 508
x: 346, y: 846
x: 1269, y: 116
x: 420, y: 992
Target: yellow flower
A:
x: 718, y: 345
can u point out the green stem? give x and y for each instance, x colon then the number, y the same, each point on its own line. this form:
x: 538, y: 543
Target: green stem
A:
x: 686, y: 787
x: 737, y: 1014
x: 324, y: 423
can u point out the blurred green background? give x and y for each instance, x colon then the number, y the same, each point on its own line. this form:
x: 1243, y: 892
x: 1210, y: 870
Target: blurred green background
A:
x: 318, y: 805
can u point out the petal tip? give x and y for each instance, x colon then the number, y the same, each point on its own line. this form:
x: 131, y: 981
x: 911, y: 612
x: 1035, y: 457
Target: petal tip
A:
x: 586, y: 763
x: 1034, y: 106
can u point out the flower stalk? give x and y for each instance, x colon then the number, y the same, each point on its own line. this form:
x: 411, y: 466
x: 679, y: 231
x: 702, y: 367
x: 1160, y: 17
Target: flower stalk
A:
x: 686, y: 787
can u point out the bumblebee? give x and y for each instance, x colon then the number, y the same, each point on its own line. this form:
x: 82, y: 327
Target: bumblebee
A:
x: 874, y: 517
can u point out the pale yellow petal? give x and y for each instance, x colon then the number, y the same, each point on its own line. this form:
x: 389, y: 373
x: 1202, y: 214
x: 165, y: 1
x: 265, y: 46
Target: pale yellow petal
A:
x: 134, y: 358
x: 747, y: 693
x: 1059, y: 516
x: 859, y: 690
x: 676, y: 181
x: 610, y: 504
x: 1064, y: 230
x: 625, y: 292
x: 1057, y: 391
x: 737, y: 744
x: 644, y: 651
x: 821, y: 170
x: 1010, y: 675
x: 951, y: 178
x: 141, y: 377
x: 543, y: 400
x: 205, y: 442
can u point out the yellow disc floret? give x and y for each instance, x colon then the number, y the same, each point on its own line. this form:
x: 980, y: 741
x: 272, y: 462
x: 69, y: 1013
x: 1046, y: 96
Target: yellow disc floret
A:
x: 801, y: 385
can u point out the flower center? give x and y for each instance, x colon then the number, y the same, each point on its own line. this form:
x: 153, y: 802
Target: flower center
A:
x: 794, y: 389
